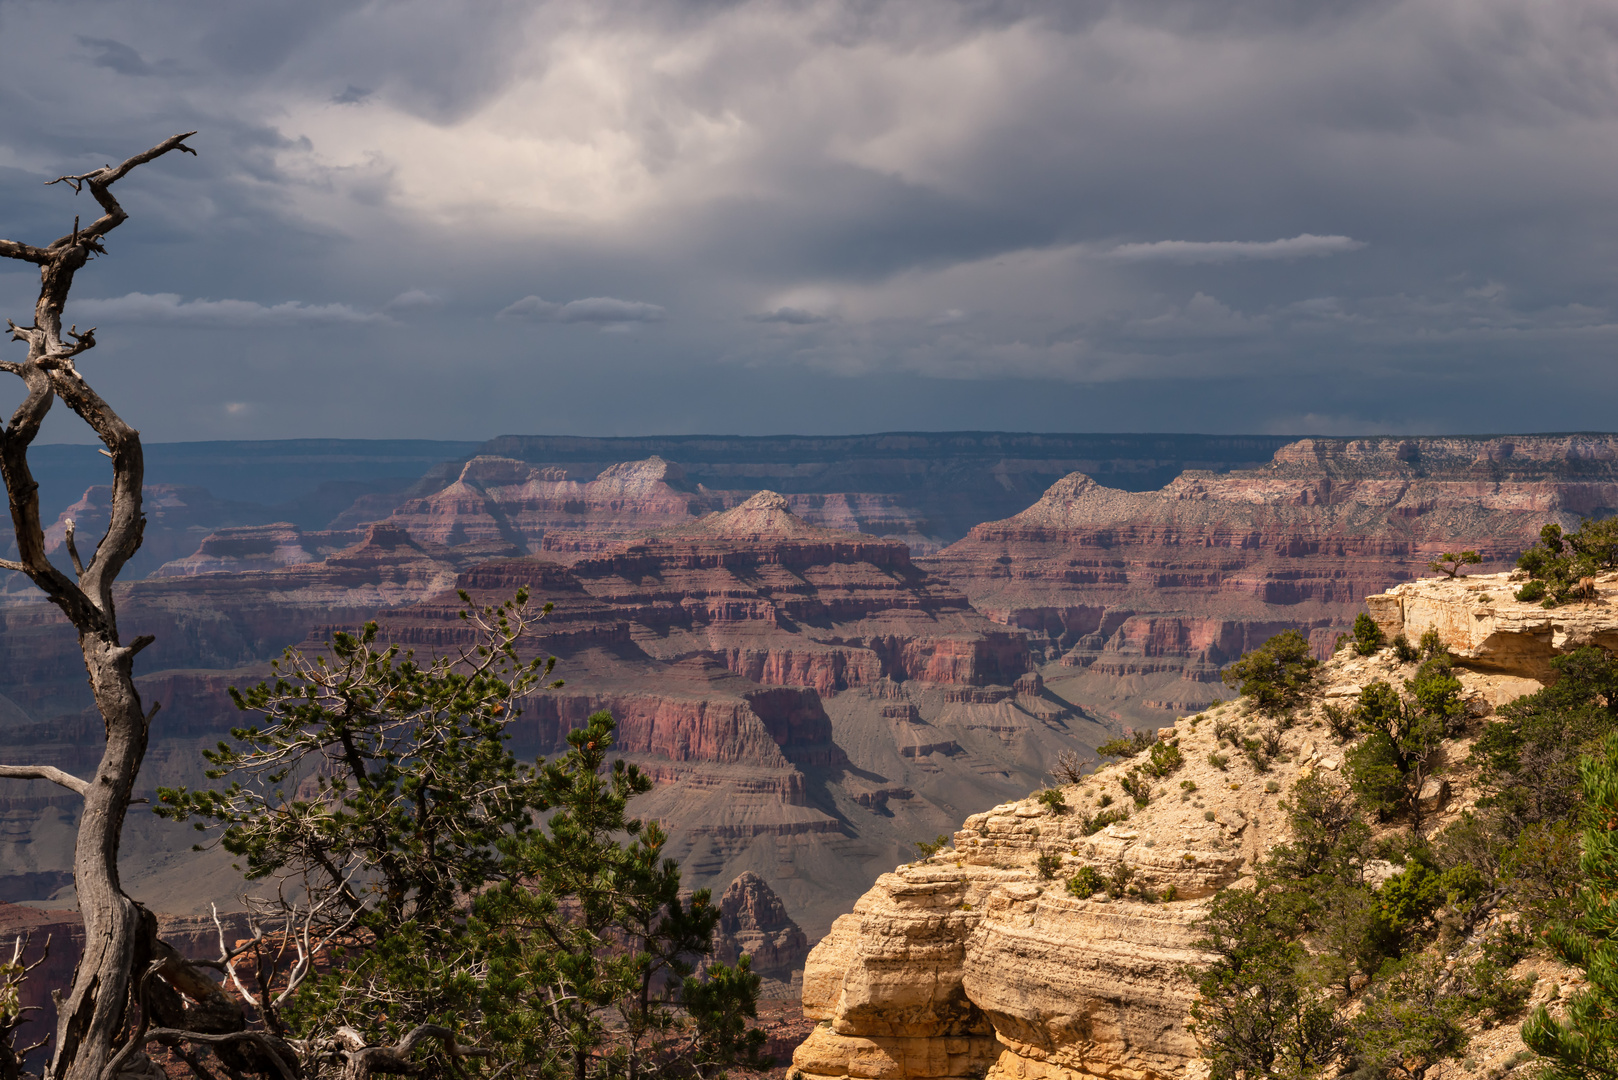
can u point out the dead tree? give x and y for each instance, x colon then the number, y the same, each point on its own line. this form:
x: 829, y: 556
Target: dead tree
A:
x: 119, y: 935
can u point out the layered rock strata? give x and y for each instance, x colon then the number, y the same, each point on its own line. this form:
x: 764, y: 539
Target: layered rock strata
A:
x: 754, y: 923
x: 807, y: 700
x: 979, y: 961
x: 1143, y: 596
x: 1486, y: 627
x: 800, y: 694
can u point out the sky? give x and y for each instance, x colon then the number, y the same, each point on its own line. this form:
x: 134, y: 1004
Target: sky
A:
x: 428, y: 220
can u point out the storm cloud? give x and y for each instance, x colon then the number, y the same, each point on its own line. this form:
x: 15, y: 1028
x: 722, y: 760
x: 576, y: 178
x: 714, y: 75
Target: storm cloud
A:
x: 833, y: 215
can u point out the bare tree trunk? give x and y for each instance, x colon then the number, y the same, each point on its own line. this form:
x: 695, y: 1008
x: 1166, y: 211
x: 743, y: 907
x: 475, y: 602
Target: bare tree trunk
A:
x: 119, y: 934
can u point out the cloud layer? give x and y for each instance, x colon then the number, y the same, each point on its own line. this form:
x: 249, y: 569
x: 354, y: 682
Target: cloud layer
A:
x: 829, y: 215
x: 602, y: 310
x: 1188, y: 252
x: 138, y: 307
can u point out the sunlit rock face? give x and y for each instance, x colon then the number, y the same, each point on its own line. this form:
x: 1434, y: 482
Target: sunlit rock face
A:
x: 980, y: 961
x: 1159, y: 589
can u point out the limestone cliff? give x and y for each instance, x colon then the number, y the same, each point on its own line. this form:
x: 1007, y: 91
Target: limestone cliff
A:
x: 980, y: 962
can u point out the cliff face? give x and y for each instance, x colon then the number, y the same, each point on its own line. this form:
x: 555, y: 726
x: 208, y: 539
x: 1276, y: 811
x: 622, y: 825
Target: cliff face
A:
x: 972, y: 963
x: 924, y: 489
x: 754, y: 922
x: 1160, y: 589
x: 807, y: 699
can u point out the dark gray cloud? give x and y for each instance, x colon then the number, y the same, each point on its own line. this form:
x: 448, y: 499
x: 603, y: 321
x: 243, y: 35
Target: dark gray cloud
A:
x: 791, y: 316
x: 1207, y: 215
x: 116, y: 56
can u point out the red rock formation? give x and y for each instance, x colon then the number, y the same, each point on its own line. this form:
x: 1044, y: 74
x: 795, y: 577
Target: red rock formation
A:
x: 539, y: 509
x: 177, y: 517
x: 781, y: 601
x: 546, y: 510
x: 754, y: 921
x: 258, y: 547
x: 1180, y: 581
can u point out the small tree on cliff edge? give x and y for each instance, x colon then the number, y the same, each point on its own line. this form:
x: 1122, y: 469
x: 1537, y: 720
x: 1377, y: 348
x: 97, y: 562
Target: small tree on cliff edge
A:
x: 427, y: 889
x: 1275, y: 675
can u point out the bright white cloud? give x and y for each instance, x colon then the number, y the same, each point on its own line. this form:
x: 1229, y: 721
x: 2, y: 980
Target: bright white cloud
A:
x: 600, y: 310
x: 1304, y: 246
x: 170, y: 308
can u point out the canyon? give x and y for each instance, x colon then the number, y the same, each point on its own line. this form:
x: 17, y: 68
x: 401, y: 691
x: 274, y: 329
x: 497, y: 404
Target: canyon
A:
x: 822, y: 649
x: 978, y: 962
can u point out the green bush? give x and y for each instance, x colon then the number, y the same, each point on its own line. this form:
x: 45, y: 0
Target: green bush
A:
x: 1387, y: 768
x: 1368, y: 637
x: 1093, y: 824
x: 1276, y: 675
x: 1048, y: 866
x: 1117, y: 882
x: 1531, y: 592
x: 1340, y: 721
x: 1410, y: 1023
x: 1054, y: 801
x: 1130, y: 743
x: 1585, y: 1044
x: 1165, y: 759
x: 1085, y: 883
x: 1431, y: 644
x: 1137, y: 786
x: 1405, y: 651
x: 1557, y: 562
x: 1218, y: 761
x: 1256, y: 755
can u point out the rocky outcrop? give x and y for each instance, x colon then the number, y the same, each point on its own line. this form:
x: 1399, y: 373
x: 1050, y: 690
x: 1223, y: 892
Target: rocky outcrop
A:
x: 781, y: 601
x: 1482, y: 623
x: 1160, y: 589
x: 754, y: 922
x: 258, y: 547
x: 924, y: 489
x: 543, y: 509
x: 975, y: 959
x: 980, y: 961
x: 749, y: 659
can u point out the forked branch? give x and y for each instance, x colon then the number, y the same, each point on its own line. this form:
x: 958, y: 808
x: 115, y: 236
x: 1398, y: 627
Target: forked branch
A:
x: 98, y: 180
x: 93, y: 1017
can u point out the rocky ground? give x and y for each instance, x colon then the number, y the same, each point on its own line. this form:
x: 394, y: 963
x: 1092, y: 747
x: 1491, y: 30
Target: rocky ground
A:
x: 979, y: 958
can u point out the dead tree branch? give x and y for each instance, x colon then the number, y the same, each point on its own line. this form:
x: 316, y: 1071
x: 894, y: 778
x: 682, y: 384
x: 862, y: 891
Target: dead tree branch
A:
x: 93, y: 1016
x: 44, y: 772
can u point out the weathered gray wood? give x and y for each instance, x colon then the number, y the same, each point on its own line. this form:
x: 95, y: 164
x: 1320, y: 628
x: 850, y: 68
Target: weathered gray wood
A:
x: 119, y: 934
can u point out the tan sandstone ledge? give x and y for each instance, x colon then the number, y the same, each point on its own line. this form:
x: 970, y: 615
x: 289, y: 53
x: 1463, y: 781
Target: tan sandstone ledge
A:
x: 970, y: 965
x: 1485, y: 627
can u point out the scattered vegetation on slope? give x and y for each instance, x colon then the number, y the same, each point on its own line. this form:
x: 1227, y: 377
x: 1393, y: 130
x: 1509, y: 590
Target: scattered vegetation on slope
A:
x: 1561, y: 567
x: 1375, y: 945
